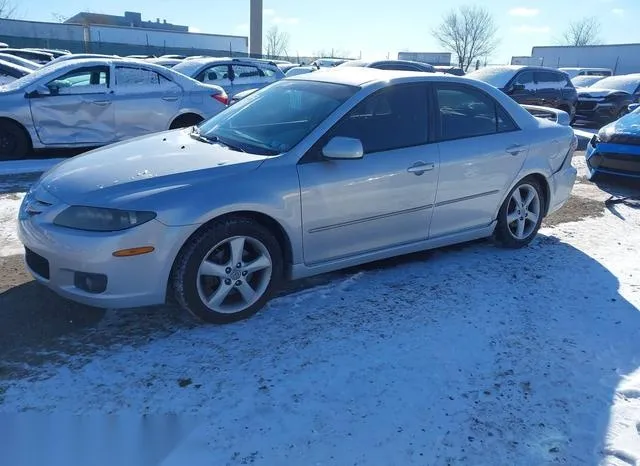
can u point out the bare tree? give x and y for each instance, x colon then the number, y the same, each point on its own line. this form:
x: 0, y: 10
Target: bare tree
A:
x: 585, y: 31
x: 59, y: 18
x: 332, y: 53
x: 7, y: 9
x: 469, y: 32
x: 276, y: 42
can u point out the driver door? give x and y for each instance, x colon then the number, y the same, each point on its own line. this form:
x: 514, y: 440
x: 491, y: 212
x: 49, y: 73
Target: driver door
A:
x: 76, y: 109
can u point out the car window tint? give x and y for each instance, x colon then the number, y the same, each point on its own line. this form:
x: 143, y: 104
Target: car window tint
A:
x: 130, y: 77
x: 466, y: 112
x: 390, y: 119
x: 526, y: 79
x: 548, y: 79
x: 218, y: 74
x: 81, y: 81
x: 243, y: 74
x: 268, y: 72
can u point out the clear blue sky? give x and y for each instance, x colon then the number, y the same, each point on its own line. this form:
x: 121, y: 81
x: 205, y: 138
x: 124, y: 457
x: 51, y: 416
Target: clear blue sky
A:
x: 365, y: 26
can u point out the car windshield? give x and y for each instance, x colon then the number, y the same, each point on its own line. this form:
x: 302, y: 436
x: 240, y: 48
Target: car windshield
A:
x: 586, y: 81
x: 497, y: 76
x: 628, y: 83
x: 275, y: 119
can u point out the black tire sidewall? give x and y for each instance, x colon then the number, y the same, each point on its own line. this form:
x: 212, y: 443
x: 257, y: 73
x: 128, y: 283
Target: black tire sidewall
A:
x: 22, y: 145
x: 185, y: 121
x: 185, y: 275
x: 502, y: 235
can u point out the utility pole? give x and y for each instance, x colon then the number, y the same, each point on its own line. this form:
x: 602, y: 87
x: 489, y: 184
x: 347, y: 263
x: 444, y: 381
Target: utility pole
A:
x: 255, y: 30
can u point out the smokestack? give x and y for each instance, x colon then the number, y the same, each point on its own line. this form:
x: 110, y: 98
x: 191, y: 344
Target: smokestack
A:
x: 255, y: 30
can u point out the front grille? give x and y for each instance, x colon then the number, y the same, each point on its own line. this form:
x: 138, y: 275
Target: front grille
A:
x: 629, y: 139
x: 619, y: 163
x: 38, y: 264
x: 587, y: 106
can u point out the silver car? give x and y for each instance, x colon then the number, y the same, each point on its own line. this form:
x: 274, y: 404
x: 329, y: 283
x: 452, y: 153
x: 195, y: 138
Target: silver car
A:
x: 308, y: 175
x: 93, y: 102
x: 234, y: 75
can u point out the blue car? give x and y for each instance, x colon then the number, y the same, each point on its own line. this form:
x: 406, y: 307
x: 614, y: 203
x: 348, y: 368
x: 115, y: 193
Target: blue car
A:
x: 615, y: 149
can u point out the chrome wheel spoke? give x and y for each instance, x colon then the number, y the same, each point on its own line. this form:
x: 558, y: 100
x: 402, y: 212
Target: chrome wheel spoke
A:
x: 517, y: 197
x: 220, y: 295
x: 531, y: 195
x: 532, y: 217
x: 246, y: 291
x: 211, y: 269
x: 237, y: 248
x: 258, y: 264
x: 520, y: 229
x: 513, y: 217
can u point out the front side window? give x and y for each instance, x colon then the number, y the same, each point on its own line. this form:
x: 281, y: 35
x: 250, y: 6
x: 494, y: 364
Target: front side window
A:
x: 526, y: 79
x: 81, y: 81
x: 466, y: 112
x: 390, y: 119
x: 277, y: 118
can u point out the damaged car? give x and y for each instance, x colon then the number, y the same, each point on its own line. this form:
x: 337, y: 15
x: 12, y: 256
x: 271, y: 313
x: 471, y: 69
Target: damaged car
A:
x: 608, y: 99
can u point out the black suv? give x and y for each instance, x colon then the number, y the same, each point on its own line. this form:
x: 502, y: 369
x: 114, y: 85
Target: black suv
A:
x: 532, y: 85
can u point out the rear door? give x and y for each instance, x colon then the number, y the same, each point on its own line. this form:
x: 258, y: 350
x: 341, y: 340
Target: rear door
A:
x: 77, y: 110
x: 549, y: 88
x: 481, y: 152
x: 145, y: 101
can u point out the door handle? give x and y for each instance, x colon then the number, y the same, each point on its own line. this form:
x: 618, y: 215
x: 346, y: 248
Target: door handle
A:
x: 101, y: 103
x: 419, y: 168
x: 516, y: 149
x: 170, y: 98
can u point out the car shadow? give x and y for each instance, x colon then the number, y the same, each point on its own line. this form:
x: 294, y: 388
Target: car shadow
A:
x: 558, y: 334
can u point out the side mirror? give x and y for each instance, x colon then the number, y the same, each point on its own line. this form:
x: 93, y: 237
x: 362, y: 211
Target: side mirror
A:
x: 517, y: 87
x: 40, y: 91
x: 341, y: 148
x: 633, y: 107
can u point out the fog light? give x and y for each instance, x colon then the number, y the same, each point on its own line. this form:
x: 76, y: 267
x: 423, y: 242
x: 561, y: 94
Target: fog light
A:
x: 90, y: 282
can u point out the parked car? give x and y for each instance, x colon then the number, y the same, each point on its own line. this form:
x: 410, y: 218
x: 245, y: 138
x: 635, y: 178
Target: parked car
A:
x: 608, y: 99
x: 454, y: 70
x: 298, y: 70
x: 314, y: 173
x: 615, y: 149
x: 573, y: 72
x: 545, y: 87
x: 54, y: 52
x: 327, y: 62
x: 398, y: 65
x: 232, y: 74
x: 33, y: 55
x: 23, y: 62
x: 93, y: 102
x: 284, y: 67
x: 10, y: 72
x: 585, y: 81
x: 166, y: 62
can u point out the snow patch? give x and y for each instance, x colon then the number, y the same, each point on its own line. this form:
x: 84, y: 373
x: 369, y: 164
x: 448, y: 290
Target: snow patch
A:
x: 9, y: 207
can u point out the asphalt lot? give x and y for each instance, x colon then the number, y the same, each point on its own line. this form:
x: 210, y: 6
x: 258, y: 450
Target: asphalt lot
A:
x: 38, y: 326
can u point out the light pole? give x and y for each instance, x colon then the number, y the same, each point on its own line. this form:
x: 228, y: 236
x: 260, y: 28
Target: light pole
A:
x: 255, y: 30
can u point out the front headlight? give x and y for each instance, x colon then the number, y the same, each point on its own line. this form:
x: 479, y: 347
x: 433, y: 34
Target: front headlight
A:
x: 604, y: 135
x: 99, y: 219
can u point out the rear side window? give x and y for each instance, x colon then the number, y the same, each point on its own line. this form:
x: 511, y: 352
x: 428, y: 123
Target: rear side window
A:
x: 466, y: 112
x: 390, y: 119
x: 549, y: 80
x: 136, y: 77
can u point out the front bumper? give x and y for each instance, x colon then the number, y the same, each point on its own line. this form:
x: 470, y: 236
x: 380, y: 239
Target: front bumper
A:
x: 63, y: 259
x: 596, y: 112
x: 613, y: 159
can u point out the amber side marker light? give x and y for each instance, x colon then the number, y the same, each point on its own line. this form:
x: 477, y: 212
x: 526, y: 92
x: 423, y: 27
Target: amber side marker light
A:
x: 134, y: 251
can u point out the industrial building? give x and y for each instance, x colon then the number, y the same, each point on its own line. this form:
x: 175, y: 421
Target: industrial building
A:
x: 621, y: 58
x: 130, y: 19
x: 137, y: 37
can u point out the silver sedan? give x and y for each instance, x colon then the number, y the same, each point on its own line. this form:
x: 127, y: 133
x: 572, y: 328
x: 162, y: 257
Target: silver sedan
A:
x: 93, y: 102
x: 308, y: 175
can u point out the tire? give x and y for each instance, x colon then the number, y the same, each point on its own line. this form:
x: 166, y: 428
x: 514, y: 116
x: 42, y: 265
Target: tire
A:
x: 184, y: 121
x: 14, y: 143
x: 217, y: 243
x: 511, y: 234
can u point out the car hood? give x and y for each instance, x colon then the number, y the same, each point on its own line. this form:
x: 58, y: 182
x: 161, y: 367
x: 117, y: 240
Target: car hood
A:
x: 628, y: 125
x: 597, y: 93
x: 148, y: 164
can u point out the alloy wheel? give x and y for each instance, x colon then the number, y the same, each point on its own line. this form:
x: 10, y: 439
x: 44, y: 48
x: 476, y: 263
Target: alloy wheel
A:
x: 234, y: 274
x: 523, y: 211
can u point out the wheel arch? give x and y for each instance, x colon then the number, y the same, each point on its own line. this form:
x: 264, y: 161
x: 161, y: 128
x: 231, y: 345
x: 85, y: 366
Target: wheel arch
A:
x: 184, y: 115
x: 21, y: 126
x: 261, y: 218
x: 541, y: 179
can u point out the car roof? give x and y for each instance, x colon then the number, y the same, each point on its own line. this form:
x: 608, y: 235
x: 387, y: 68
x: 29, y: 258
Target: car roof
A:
x: 363, y: 76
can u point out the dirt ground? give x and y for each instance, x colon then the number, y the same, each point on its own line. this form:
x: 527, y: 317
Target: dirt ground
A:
x: 37, y: 325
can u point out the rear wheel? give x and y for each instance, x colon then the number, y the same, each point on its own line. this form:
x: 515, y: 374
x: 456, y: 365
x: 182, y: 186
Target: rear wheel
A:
x: 184, y: 121
x: 521, y: 215
x: 14, y: 143
x: 228, y: 271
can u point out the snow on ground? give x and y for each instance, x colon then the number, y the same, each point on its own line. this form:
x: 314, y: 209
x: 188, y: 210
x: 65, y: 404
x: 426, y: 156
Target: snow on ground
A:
x: 9, y: 206
x: 15, y: 167
x: 470, y: 355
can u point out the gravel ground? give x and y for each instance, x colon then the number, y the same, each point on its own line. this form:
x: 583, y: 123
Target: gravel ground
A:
x: 38, y: 326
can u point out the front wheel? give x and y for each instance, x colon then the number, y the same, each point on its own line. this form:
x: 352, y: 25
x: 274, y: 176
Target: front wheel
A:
x: 14, y: 144
x: 228, y: 272
x: 520, y: 216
